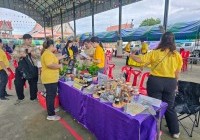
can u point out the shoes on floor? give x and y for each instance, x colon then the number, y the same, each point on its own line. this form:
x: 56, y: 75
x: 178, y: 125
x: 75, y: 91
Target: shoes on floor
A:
x: 53, y: 118
x: 35, y: 100
x: 18, y: 102
x: 57, y: 109
x: 176, y: 136
x: 7, y: 95
x: 3, y: 98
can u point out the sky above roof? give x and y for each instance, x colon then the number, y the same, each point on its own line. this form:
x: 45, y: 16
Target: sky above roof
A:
x: 179, y: 11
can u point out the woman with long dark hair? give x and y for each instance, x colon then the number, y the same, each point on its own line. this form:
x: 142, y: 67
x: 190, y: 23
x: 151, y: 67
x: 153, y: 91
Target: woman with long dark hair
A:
x: 99, y: 55
x: 50, y: 76
x: 166, y: 64
x: 67, y: 50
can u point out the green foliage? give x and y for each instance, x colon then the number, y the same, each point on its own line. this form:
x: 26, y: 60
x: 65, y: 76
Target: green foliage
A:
x: 150, y: 22
x: 93, y: 70
x: 64, y: 70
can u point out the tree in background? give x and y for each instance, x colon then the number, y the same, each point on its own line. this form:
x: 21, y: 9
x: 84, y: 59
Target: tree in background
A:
x: 150, y: 22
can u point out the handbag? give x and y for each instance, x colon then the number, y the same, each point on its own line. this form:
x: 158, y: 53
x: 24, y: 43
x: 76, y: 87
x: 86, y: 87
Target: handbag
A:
x: 27, y: 68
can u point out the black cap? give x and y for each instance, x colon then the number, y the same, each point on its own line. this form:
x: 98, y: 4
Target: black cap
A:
x: 27, y: 36
x: 0, y: 40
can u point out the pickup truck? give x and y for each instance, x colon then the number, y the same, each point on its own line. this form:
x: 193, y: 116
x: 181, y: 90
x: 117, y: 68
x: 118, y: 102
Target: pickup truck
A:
x: 190, y: 46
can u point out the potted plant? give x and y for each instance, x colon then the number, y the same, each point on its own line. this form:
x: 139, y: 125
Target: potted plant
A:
x: 93, y: 70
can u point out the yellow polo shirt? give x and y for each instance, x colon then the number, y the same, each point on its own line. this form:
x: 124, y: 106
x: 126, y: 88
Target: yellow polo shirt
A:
x: 3, y: 58
x: 49, y: 75
x: 166, y: 68
x: 99, y: 54
x: 144, y: 48
x: 71, y: 54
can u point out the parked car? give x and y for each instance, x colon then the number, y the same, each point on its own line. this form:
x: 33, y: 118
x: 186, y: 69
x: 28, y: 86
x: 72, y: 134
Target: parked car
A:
x: 189, y: 46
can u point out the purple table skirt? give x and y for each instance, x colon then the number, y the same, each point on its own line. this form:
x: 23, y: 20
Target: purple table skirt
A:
x: 106, y: 122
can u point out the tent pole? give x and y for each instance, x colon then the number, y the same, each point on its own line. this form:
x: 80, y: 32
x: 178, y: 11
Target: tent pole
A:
x: 120, y: 18
x: 74, y: 16
x: 92, y: 4
x: 61, y: 21
x: 52, y: 26
x: 166, y: 14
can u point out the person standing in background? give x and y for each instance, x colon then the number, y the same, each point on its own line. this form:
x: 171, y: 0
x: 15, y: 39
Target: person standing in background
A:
x: 20, y: 54
x: 166, y: 64
x: 144, y: 47
x: 89, y: 51
x: 4, y: 64
x: 99, y: 55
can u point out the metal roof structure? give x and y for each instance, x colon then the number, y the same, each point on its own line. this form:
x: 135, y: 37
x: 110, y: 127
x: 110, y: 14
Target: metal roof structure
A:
x: 43, y: 10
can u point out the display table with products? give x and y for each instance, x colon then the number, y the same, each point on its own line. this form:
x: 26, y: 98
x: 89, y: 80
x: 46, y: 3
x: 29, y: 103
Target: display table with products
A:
x: 105, y: 121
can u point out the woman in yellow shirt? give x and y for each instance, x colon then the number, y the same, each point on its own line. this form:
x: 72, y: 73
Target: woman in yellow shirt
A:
x: 166, y: 65
x: 99, y: 55
x: 50, y: 76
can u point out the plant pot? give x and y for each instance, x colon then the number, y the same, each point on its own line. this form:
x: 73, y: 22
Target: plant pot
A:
x: 94, y: 79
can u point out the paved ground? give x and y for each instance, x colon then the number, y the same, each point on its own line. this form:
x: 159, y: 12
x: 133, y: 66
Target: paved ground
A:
x: 27, y: 121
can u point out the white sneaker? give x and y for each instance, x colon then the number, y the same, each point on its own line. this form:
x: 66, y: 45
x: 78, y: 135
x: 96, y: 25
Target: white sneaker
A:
x: 53, y: 118
x: 18, y: 102
x: 57, y: 109
x: 176, y: 136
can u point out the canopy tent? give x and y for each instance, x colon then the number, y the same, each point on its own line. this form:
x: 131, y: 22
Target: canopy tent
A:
x: 107, y: 36
x: 135, y: 34
x: 182, y: 31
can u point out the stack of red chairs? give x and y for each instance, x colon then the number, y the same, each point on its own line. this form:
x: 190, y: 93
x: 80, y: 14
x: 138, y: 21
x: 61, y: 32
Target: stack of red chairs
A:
x: 138, y: 80
x: 11, y: 76
x: 110, y: 70
x: 142, y: 88
x: 185, y: 55
x: 136, y: 74
x: 126, y: 70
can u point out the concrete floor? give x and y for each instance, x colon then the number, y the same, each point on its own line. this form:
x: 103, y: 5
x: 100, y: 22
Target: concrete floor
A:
x: 27, y: 121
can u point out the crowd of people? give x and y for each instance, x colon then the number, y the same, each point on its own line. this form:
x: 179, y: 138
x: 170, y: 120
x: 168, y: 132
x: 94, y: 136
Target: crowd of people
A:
x: 165, y: 62
x: 51, y: 60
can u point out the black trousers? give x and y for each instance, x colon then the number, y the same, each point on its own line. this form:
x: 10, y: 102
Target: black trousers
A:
x: 3, y: 83
x: 164, y: 89
x: 19, y: 86
x: 51, y: 90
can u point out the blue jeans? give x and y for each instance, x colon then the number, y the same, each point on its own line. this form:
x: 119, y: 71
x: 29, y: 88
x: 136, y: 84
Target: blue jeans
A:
x: 3, y: 83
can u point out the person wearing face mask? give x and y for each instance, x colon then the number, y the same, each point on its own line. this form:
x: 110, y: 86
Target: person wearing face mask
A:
x: 26, y: 56
x: 99, y: 55
x: 49, y: 76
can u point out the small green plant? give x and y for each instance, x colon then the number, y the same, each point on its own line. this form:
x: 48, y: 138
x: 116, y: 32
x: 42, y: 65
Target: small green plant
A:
x: 64, y: 70
x: 93, y: 70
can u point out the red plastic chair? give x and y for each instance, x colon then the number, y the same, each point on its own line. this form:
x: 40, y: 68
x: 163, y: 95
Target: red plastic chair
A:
x: 136, y: 74
x: 127, y: 71
x: 185, y: 55
x: 11, y: 77
x: 110, y: 70
x: 8, y: 56
x: 142, y: 88
x: 15, y: 64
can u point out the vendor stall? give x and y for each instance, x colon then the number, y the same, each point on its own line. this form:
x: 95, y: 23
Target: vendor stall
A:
x: 105, y: 121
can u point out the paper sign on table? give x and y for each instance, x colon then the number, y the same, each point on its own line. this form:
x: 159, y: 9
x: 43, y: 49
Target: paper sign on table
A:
x: 134, y: 108
x: 150, y: 100
x: 77, y: 86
